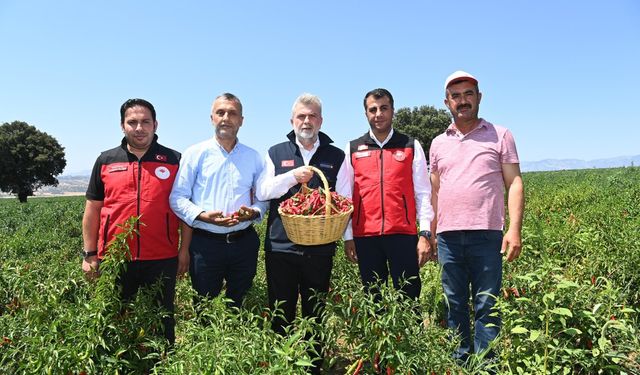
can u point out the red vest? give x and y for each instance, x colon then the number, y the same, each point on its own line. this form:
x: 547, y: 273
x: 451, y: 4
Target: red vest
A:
x: 383, y: 195
x: 131, y: 187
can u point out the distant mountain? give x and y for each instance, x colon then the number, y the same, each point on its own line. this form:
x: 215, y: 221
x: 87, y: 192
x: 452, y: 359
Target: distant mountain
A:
x: 67, y: 185
x: 560, y: 164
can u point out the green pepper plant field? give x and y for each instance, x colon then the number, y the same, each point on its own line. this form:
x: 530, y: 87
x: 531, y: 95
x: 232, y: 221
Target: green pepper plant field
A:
x: 570, y: 304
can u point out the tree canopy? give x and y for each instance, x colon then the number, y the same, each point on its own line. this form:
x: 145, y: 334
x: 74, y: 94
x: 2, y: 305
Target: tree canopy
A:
x: 423, y: 123
x: 29, y: 159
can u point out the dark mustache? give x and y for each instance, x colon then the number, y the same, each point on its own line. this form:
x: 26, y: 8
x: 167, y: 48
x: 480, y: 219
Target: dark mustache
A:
x: 462, y: 106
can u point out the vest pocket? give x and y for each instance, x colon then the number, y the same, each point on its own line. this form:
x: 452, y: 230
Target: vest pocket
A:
x: 406, y: 209
x: 105, y: 231
x: 168, y: 225
x: 359, y: 213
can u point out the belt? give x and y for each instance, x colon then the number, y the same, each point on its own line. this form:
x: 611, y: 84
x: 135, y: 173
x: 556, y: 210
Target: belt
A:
x: 226, y: 237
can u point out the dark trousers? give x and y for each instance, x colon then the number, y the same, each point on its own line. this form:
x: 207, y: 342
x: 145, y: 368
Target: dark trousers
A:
x: 215, y: 261
x: 143, y: 273
x: 290, y: 275
x: 392, y: 254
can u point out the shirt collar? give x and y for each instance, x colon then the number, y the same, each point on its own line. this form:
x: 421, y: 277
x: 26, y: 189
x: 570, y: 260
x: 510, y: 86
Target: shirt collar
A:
x: 307, y: 154
x: 381, y: 144
x: 452, y: 130
x: 217, y: 144
x: 316, y: 144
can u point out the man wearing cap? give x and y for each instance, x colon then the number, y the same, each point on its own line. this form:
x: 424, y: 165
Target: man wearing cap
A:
x: 391, y: 194
x: 472, y: 163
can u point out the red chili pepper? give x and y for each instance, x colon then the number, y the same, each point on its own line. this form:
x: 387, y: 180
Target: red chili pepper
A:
x: 505, y: 293
x: 376, y: 362
x: 313, y: 202
x: 358, y: 368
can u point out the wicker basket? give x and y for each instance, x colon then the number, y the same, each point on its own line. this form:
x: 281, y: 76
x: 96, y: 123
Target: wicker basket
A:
x: 318, y: 229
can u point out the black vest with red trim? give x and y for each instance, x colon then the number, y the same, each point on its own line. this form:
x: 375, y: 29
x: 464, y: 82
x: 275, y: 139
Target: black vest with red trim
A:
x: 131, y: 187
x: 286, y: 157
x: 383, y: 195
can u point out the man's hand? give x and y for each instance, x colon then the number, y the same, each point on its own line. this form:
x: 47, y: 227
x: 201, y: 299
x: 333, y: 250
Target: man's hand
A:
x: 434, y: 249
x: 302, y: 174
x: 511, y: 244
x: 245, y: 214
x: 183, y: 261
x: 217, y: 218
x: 90, y: 267
x: 425, y: 251
x: 350, y: 251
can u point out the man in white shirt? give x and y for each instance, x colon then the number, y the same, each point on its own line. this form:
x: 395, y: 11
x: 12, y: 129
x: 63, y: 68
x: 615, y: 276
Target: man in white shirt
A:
x: 214, y: 194
x: 294, y: 269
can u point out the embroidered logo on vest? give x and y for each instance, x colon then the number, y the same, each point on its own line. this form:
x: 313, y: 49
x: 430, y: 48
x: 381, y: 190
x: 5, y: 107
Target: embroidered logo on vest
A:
x: 162, y: 173
x: 399, y: 155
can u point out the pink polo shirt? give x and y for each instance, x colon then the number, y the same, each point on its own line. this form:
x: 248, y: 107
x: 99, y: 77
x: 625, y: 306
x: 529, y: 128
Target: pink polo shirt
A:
x: 471, y: 194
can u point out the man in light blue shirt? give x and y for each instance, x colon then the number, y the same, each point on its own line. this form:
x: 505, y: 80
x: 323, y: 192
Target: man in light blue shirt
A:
x: 214, y: 193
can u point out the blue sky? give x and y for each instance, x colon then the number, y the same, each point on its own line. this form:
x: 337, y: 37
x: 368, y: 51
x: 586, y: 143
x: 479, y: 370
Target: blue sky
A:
x: 563, y: 76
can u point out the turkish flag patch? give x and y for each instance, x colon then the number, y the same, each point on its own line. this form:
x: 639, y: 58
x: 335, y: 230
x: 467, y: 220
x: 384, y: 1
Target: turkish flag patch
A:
x: 287, y: 163
x: 161, y: 157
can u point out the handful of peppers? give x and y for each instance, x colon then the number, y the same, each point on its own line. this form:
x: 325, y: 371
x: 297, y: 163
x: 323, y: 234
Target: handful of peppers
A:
x: 311, y: 202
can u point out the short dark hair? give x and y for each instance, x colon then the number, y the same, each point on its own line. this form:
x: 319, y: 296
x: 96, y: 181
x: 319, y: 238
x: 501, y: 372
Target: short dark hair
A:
x: 136, y: 102
x: 378, y: 93
x: 229, y: 97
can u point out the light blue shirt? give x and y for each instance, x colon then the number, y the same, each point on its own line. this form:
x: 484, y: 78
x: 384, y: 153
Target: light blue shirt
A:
x: 210, y: 179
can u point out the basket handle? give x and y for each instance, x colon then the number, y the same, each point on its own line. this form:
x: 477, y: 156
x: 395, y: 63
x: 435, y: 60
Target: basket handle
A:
x: 327, y: 193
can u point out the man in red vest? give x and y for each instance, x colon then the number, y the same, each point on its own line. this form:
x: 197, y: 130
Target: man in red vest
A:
x: 135, y: 179
x: 391, y: 194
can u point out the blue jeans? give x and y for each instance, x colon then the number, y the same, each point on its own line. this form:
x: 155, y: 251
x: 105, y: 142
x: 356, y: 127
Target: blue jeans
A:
x: 471, y: 258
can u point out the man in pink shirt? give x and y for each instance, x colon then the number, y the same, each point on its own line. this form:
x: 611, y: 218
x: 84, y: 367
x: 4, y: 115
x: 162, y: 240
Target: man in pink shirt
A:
x: 472, y: 163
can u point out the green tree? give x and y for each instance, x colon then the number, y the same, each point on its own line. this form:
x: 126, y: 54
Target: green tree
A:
x: 423, y: 123
x: 29, y: 159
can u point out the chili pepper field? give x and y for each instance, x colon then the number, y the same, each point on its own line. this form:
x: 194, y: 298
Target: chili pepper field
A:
x: 569, y: 304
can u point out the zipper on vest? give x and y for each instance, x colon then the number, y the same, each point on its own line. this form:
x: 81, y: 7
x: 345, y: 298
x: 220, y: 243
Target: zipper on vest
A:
x: 138, y: 207
x: 382, y: 189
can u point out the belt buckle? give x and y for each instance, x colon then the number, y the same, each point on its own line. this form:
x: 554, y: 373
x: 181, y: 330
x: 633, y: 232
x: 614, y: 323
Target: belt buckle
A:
x: 227, y: 237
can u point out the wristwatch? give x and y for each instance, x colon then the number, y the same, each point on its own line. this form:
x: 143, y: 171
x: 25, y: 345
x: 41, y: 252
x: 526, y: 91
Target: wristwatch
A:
x: 88, y: 254
x: 425, y: 233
